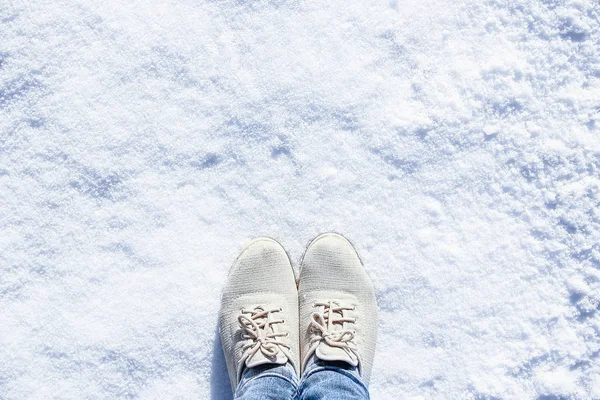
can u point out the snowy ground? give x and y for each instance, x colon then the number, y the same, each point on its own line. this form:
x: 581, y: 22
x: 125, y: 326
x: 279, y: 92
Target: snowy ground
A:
x: 456, y: 143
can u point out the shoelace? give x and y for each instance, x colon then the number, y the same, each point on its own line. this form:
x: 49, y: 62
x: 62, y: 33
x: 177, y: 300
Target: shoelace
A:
x: 322, y: 326
x: 258, y: 327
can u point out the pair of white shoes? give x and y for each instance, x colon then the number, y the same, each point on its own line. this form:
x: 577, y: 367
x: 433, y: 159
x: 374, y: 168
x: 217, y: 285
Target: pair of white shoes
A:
x: 266, y: 318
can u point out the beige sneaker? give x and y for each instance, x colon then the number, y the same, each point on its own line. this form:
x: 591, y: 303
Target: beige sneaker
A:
x: 258, y: 320
x: 338, y: 311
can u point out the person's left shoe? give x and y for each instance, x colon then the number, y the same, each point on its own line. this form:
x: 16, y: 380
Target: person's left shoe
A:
x: 258, y: 320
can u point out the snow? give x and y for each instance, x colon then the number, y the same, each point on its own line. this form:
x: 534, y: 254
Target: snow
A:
x: 456, y: 143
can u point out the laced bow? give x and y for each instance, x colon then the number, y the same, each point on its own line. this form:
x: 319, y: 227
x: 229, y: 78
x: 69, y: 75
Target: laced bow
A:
x: 323, y: 327
x: 257, y: 327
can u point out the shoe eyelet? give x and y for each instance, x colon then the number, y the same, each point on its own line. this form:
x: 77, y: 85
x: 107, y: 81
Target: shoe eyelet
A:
x: 354, y: 307
x: 280, y: 309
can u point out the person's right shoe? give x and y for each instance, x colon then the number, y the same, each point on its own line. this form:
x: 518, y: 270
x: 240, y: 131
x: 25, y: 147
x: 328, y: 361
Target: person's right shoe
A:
x: 338, y: 310
x: 258, y: 320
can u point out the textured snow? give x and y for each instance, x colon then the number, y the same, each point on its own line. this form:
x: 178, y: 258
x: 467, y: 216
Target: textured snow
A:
x: 456, y: 143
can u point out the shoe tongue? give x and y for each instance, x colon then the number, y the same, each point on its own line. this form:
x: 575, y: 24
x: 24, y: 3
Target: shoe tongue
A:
x: 260, y: 359
x: 326, y: 352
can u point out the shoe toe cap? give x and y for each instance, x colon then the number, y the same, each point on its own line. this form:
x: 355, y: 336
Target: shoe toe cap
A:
x: 331, y: 261
x: 333, y: 250
x: 263, y: 265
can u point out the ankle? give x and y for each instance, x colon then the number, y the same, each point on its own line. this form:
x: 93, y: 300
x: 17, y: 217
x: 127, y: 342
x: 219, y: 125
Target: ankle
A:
x: 285, y: 371
x: 316, y: 362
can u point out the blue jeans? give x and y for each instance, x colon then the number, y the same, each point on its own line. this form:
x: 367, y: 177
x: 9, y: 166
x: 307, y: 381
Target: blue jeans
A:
x: 321, y: 381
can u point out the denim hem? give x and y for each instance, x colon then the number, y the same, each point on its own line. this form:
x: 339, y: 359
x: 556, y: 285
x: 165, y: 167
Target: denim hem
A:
x: 293, y: 382
x: 342, y: 371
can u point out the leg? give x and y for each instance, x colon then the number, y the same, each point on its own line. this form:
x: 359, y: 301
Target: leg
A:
x: 268, y: 382
x: 335, y: 380
x: 258, y: 323
x: 338, y: 321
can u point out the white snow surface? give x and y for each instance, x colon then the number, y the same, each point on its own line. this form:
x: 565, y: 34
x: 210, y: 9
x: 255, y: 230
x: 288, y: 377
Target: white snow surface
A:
x: 455, y: 143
